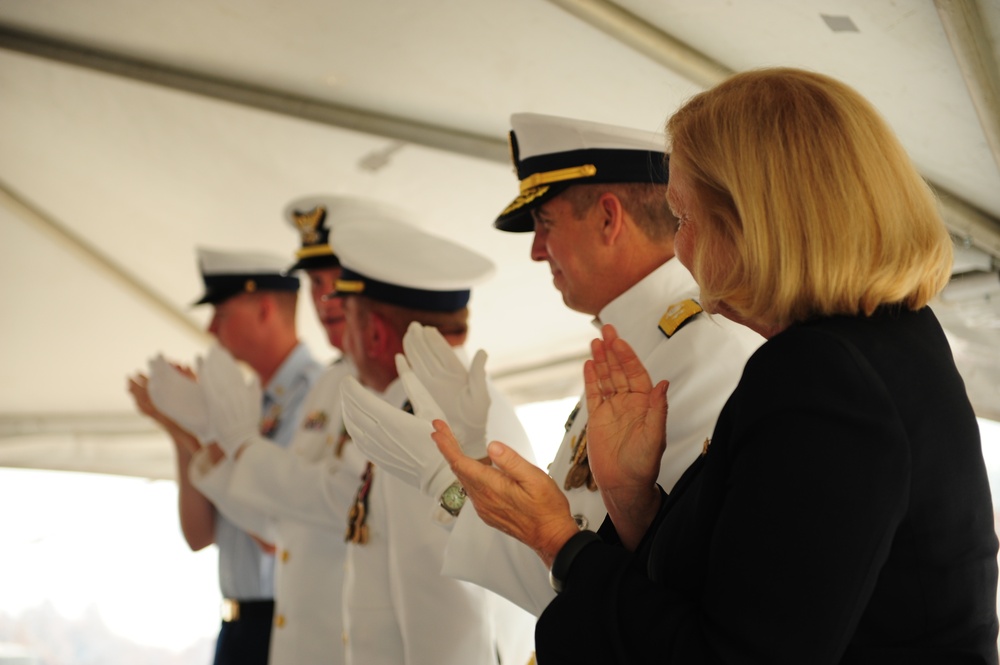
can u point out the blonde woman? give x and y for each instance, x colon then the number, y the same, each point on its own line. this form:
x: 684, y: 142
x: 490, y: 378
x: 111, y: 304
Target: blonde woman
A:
x: 841, y: 511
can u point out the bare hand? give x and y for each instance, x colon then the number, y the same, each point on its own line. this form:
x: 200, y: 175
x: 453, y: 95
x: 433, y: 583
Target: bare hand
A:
x: 184, y: 370
x: 513, y: 496
x: 626, y: 431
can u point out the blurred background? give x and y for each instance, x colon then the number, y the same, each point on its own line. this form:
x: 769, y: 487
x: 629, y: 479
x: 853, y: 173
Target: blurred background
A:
x: 133, y: 131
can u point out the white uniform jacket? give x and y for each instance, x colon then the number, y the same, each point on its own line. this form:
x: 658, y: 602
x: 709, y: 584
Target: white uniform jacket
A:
x: 703, y: 361
x: 266, y: 484
x: 399, y: 609
x: 246, y: 572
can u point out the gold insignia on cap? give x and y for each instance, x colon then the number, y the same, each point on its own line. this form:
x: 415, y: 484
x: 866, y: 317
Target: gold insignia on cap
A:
x: 250, y: 286
x: 559, y: 175
x: 677, y: 315
x: 524, y: 199
x: 349, y: 286
x: 315, y: 250
x: 308, y: 222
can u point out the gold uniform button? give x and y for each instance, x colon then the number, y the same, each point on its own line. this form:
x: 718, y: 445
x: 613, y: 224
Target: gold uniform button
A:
x: 279, y: 621
x: 343, y: 636
x: 284, y: 556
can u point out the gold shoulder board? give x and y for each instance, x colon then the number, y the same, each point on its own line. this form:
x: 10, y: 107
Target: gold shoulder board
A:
x: 677, y: 315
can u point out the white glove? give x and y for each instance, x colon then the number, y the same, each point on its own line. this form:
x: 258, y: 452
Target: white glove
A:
x: 395, y: 440
x: 179, y: 398
x: 234, y: 404
x: 461, y: 393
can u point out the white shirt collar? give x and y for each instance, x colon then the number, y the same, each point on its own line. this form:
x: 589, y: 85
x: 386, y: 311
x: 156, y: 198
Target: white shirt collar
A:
x: 636, y: 313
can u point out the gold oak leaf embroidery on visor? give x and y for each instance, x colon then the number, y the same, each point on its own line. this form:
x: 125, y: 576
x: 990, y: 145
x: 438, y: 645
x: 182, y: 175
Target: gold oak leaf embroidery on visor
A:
x: 524, y: 198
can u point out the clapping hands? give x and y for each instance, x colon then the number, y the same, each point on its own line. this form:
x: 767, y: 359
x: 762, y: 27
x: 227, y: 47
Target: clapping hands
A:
x: 626, y: 432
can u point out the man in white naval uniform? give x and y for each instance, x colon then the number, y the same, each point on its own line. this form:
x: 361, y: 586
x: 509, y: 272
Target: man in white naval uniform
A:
x: 595, y: 197
x: 263, y: 485
x: 399, y: 609
x: 254, y: 317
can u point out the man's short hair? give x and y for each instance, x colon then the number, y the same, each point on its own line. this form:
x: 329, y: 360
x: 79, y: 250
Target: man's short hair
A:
x: 646, y: 203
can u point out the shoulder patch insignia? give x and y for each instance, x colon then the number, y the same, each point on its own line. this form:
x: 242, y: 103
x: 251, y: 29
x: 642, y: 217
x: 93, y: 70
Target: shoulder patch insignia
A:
x: 677, y: 315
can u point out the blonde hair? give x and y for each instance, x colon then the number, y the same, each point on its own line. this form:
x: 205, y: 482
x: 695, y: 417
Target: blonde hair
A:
x: 804, y: 188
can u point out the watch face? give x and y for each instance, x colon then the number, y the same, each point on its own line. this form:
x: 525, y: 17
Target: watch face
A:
x: 453, y: 498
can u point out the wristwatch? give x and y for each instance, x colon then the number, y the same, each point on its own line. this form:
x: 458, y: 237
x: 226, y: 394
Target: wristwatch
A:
x: 453, y: 498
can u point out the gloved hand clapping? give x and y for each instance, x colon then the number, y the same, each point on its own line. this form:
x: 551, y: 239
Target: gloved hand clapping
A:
x: 460, y: 393
x: 233, y: 403
x: 395, y: 440
x: 179, y: 398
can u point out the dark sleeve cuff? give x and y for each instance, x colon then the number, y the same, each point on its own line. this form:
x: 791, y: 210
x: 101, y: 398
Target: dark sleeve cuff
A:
x: 564, y: 559
x: 642, y: 551
x: 608, y: 533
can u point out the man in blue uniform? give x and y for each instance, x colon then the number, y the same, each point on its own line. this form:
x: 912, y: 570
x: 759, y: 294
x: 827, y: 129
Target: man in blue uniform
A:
x: 254, y: 305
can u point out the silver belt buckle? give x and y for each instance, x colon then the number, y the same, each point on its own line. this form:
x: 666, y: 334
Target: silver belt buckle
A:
x: 230, y: 610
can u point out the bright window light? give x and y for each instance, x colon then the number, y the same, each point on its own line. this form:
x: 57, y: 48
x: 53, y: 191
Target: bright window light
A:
x: 96, y: 570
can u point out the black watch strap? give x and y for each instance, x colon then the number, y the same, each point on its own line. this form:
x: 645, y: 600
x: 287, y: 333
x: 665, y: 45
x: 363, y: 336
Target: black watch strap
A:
x: 564, y: 559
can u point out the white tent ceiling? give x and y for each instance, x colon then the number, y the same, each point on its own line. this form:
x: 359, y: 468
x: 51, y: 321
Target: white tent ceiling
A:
x: 132, y: 131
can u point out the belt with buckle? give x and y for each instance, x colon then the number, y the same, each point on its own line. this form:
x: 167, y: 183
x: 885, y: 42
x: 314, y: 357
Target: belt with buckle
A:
x: 234, y: 610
